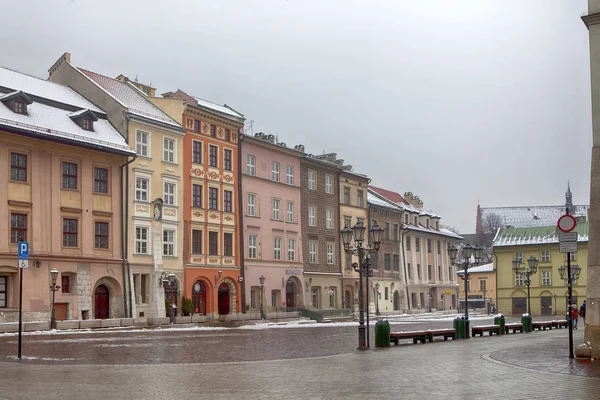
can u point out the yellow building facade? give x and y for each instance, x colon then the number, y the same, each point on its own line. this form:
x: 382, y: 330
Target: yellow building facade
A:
x: 481, y: 287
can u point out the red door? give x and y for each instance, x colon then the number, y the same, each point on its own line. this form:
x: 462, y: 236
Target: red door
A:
x: 199, y: 298
x: 290, y: 295
x: 101, y: 302
x: 223, y: 299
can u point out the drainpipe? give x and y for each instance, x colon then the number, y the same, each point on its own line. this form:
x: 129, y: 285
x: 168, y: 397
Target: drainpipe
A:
x: 496, y: 271
x: 241, y: 224
x: 125, y: 229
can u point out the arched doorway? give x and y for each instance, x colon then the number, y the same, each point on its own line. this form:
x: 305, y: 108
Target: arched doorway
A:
x: 199, y: 298
x: 347, y: 299
x: 290, y: 295
x: 101, y: 302
x: 171, y: 291
x: 224, y: 306
x: 396, y: 300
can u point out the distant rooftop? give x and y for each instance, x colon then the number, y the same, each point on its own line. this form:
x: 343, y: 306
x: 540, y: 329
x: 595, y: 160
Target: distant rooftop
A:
x: 531, y: 216
x: 508, y: 236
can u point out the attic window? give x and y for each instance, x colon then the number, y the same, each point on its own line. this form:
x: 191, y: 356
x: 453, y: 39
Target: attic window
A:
x: 19, y: 107
x: 84, y: 118
x: 16, y: 101
x: 87, y: 124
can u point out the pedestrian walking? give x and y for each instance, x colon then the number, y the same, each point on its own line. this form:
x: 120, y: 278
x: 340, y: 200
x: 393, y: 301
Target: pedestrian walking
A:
x: 574, y: 316
x: 582, y: 312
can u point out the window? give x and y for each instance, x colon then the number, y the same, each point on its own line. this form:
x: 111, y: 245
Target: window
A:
x: 228, y: 244
x: 329, y: 219
x: 275, y: 172
x: 519, y: 256
x: 18, y: 228
x: 100, y: 180
x: 101, y: 235
x: 332, y: 297
x: 252, y: 246
x: 20, y: 107
x: 546, y: 278
x: 440, y: 277
x: 227, y: 200
x: 18, y: 167
x: 312, y: 180
x: 328, y: 183
x: 419, y: 271
x: 386, y: 230
x: 291, y: 249
x: 346, y: 195
x: 314, y: 293
x: 348, y: 261
x: 227, y: 160
x: 468, y: 285
x: 360, y: 198
x: 169, y: 193
x: 408, y: 243
x: 213, y: 198
x: 572, y: 259
x: 290, y: 212
x: 429, y: 245
x: 69, y: 175
x: 439, y: 247
x: 168, y: 150
x: 69, y: 232
x: 213, y: 243
x: 312, y: 252
x: 196, y: 195
x: 65, y: 284
x: 141, y: 240
x: 387, y: 293
x: 251, y: 205
x: 395, y: 234
x: 213, y: 130
x: 429, y: 272
x: 196, y: 125
x: 386, y: 262
x: 289, y: 174
x: 197, y: 152
x: 347, y: 222
x: 406, y: 218
x: 141, y: 189
x: 227, y: 134
x: 427, y: 223
x: 250, y: 165
x: 275, y: 214
x: 410, y: 272
x: 545, y: 255
x: 483, y: 285
x: 141, y: 143
x: 196, y: 241
x: 396, y: 262
x: 311, y: 216
x: 518, y: 279
x: 330, y: 247
x: 277, y: 249
x: 168, y: 242
x: 417, y: 244
x: 212, y: 156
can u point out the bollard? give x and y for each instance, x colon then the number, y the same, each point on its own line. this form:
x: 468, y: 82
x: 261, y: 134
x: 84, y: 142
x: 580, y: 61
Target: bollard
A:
x: 526, y: 321
x: 382, y: 333
x: 500, y: 320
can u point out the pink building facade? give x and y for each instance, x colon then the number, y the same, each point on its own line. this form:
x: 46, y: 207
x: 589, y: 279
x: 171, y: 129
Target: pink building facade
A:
x: 272, y: 231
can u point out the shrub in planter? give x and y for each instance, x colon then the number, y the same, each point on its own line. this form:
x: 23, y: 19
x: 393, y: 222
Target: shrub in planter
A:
x: 187, y: 306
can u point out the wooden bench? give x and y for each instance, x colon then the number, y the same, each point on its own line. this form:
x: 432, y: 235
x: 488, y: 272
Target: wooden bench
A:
x: 515, y: 327
x: 416, y: 336
x: 541, y: 325
x: 479, y: 330
x: 446, y: 333
x: 560, y: 324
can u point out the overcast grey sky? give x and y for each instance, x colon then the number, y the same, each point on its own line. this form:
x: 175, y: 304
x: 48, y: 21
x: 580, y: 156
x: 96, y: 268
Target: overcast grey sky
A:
x: 456, y: 101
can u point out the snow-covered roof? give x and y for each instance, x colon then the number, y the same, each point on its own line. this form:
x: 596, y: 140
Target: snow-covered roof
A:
x: 380, y: 199
x: 48, y: 120
x: 216, y: 107
x: 132, y: 98
x: 531, y: 216
x: 509, y: 236
x: 441, y: 231
x: 480, y: 268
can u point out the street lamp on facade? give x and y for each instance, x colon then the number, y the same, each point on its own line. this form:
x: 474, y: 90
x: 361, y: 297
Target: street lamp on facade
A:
x: 572, y: 275
x: 54, y: 287
x: 468, y: 251
x: 377, y: 298
x: 363, y: 267
x: 262, y: 296
x: 532, y: 265
x: 171, y: 300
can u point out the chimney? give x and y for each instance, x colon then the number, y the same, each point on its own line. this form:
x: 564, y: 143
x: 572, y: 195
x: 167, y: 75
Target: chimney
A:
x: 66, y: 57
x: 270, y: 138
x: 299, y: 147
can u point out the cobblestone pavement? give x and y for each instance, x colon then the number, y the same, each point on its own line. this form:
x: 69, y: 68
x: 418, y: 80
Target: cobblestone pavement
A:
x: 301, y: 363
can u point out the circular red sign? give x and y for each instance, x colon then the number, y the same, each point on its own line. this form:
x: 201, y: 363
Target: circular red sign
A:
x: 566, y: 223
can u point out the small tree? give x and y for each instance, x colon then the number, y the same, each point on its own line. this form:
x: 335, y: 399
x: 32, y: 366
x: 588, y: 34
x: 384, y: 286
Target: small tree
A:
x: 187, y: 307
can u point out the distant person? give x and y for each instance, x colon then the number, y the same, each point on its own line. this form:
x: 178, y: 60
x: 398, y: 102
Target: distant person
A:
x: 574, y: 316
x: 582, y: 312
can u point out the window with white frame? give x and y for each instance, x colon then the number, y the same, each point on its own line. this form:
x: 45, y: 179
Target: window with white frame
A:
x: 518, y: 279
x: 142, y: 143
x: 289, y: 174
x: 252, y: 246
x: 312, y: 252
x: 277, y: 248
x: 141, y: 189
x: 291, y: 249
x: 251, y: 205
x: 546, y: 278
x: 359, y: 194
x: 545, y: 255
x: 141, y: 240
x: 328, y: 183
x: 329, y: 219
x: 483, y: 285
x: 290, y: 211
x: 170, y: 189
x: 275, y: 172
x: 275, y: 214
x: 169, y: 150
x: 169, y: 242
x: 330, y: 247
x: 312, y: 180
x: 250, y: 165
x: 311, y: 216
x: 519, y: 256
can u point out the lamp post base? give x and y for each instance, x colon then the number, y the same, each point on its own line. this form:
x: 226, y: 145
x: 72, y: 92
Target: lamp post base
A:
x: 362, y: 337
x: 467, y: 329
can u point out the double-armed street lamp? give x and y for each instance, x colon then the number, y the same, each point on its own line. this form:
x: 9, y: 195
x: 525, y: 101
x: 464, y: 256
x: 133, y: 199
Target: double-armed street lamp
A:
x: 364, y: 265
x: 532, y: 266
x: 468, y: 251
x: 54, y: 287
x: 262, y: 296
x: 572, y: 275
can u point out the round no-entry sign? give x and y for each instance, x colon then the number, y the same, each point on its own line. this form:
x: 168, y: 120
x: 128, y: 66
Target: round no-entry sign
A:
x: 566, y: 223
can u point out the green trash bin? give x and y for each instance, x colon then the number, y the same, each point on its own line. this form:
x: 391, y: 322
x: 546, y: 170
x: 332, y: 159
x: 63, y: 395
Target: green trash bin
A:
x: 526, y: 320
x: 500, y: 320
x: 382, y: 333
x: 459, y: 326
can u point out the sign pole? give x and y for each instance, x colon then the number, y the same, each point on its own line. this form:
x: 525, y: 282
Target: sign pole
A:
x: 20, y: 308
x: 570, y: 294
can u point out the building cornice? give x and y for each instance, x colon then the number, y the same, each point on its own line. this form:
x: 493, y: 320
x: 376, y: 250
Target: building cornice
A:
x: 591, y: 19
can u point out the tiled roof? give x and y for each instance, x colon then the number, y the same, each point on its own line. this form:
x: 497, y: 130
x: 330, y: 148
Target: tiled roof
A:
x: 388, y: 194
x: 131, y: 98
x: 536, y: 235
x: 528, y: 216
x: 49, y: 122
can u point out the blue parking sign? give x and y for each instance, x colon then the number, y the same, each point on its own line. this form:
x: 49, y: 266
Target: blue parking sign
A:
x: 23, y: 250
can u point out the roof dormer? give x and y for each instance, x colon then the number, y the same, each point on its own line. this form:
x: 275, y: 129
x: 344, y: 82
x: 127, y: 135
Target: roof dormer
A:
x: 84, y: 118
x: 17, y: 101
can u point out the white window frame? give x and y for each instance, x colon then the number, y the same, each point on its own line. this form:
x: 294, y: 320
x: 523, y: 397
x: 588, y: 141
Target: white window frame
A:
x: 545, y: 256
x: 328, y: 183
x: 289, y: 174
x: 169, y: 150
x: 519, y: 256
x: 142, y: 192
x: 291, y: 249
x: 313, y: 249
x: 169, y: 242
x: 330, y: 252
x: 141, y: 241
x: 250, y: 165
x: 312, y: 216
x: 290, y: 212
x: 312, y: 180
x: 142, y: 149
x: 168, y: 197
x: 251, y: 205
x: 546, y: 278
x: 252, y: 247
x: 482, y: 283
x: 329, y: 219
x: 275, y: 206
x: 360, y: 198
x: 275, y: 171
x: 277, y: 248
x: 519, y: 281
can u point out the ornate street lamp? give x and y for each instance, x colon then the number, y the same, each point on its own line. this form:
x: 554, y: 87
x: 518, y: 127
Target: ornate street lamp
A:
x: 468, y: 252
x: 532, y: 265
x: 54, y: 287
x: 572, y: 275
x: 262, y: 295
x: 171, y: 300
x: 364, y: 267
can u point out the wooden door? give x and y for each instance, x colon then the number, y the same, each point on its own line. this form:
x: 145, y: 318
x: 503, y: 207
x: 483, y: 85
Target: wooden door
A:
x: 199, y: 298
x: 60, y: 311
x: 223, y: 299
x: 546, y: 302
x: 519, y: 306
x: 290, y: 295
x: 101, y: 297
